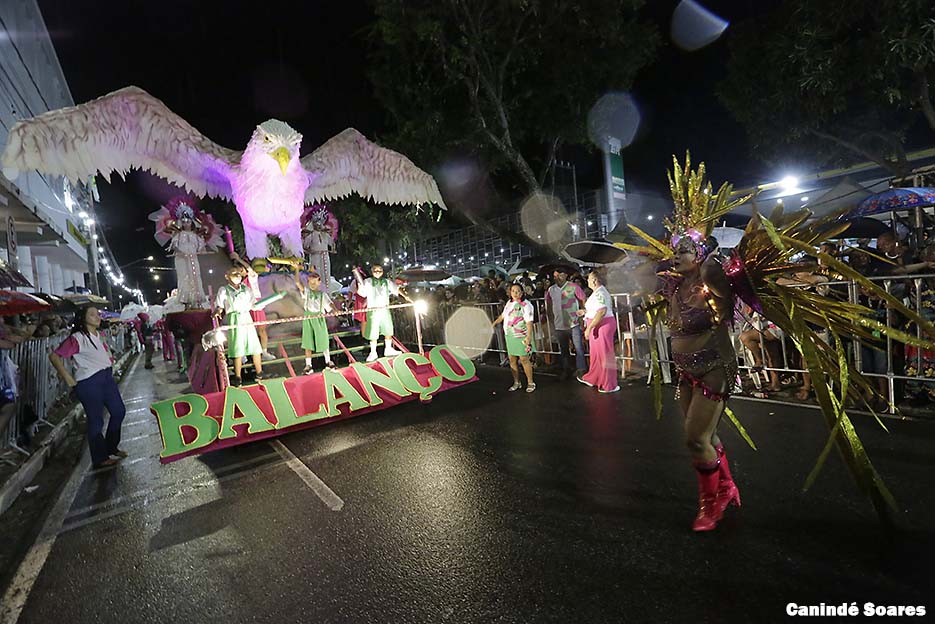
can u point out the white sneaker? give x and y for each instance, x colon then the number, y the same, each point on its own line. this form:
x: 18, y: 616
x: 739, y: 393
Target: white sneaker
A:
x: 515, y: 387
x: 372, y: 357
x: 617, y: 389
x: 266, y: 356
x: 391, y: 351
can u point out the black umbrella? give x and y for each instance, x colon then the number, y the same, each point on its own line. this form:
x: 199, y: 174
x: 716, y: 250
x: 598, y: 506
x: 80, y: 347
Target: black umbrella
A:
x: 547, y: 270
x: 595, y: 252
x: 423, y: 275
x: 532, y: 263
x: 862, y: 227
x: 59, y: 305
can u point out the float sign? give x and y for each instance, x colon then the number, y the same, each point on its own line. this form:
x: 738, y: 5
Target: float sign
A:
x: 193, y: 423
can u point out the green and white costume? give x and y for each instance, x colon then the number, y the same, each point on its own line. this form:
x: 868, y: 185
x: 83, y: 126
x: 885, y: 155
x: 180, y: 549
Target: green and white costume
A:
x: 377, y: 292
x: 315, y: 330
x: 238, y: 302
x: 517, y: 319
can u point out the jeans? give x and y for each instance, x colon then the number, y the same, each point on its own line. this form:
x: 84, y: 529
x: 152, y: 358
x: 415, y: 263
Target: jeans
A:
x: 567, y: 336
x: 95, y: 393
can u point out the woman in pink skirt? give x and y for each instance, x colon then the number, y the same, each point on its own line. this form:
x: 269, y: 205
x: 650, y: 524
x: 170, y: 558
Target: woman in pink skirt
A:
x: 600, y: 330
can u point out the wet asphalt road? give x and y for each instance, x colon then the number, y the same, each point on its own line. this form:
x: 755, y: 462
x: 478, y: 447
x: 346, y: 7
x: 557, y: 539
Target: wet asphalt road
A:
x: 561, y: 506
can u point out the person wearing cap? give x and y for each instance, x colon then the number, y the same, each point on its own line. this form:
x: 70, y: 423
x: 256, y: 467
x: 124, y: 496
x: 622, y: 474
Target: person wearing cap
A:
x: 315, y: 337
x: 236, y: 298
x: 377, y: 290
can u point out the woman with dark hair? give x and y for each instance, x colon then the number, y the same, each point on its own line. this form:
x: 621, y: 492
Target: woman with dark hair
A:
x: 600, y: 329
x: 93, y: 384
x: 517, y: 318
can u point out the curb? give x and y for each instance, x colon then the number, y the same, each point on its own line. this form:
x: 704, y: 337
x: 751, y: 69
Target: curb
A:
x: 24, y: 475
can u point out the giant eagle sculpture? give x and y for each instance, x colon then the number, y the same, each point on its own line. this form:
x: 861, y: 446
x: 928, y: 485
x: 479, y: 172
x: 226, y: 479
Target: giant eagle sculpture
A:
x: 267, y: 182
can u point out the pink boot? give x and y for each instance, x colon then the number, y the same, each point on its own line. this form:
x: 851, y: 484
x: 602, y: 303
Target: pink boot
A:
x: 708, y: 515
x: 727, y: 492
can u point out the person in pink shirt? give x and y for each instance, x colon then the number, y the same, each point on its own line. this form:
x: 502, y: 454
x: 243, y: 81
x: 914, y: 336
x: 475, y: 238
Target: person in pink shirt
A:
x: 94, y: 385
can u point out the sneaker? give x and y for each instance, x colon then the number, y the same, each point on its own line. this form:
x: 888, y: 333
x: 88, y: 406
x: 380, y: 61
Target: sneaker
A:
x: 531, y: 388
x: 120, y: 454
x: 330, y: 364
x: 516, y: 386
x: 266, y: 356
x: 262, y: 375
x: 391, y: 351
x: 308, y: 370
x: 236, y: 381
x: 107, y: 463
x: 617, y: 389
x: 373, y: 356
x: 589, y: 385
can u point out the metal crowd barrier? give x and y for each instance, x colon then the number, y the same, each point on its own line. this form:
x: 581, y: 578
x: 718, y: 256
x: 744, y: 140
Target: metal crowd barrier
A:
x: 916, y: 370
x: 39, y: 388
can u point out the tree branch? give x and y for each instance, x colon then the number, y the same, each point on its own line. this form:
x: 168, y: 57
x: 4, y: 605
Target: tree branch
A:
x: 925, y: 98
x: 549, y: 159
x: 857, y: 149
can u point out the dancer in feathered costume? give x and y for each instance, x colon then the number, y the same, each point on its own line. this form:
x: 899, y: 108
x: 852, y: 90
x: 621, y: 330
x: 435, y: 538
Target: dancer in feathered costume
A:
x: 188, y: 232
x: 695, y: 289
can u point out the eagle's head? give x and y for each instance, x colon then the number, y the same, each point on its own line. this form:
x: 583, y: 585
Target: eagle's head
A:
x: 276, y: 140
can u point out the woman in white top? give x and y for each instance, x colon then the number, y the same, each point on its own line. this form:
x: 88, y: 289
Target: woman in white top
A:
x: 517, y: 319
x: 94, y: 385
x: 601, y: 328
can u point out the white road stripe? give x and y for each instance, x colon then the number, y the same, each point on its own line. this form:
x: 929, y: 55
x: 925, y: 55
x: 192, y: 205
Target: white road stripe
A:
x: 327, y: 496
x: 18, y: 592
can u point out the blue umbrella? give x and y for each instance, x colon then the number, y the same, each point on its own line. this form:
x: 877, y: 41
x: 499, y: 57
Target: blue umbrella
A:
x: 894, y: 199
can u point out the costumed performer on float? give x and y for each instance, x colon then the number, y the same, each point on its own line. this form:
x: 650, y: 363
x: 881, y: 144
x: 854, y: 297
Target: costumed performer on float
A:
x: 600, y: 329
x: 695, y: 290
x: 188, y: 232
x: 258, y: 315
x: 517, y: 318
x: 377, y: 290
x: 237, y: 298
x: 316, y: 303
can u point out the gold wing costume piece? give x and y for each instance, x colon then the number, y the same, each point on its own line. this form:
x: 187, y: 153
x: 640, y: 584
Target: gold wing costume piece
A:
x: 763, y: 256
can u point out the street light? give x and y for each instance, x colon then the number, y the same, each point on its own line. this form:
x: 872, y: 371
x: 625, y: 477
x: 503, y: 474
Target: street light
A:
x: 149, y: 258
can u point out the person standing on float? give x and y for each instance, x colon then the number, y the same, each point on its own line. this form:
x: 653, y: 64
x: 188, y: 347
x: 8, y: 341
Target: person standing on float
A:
x: 315, y: 338
x: 377, y: 290
x: 93, y: 384
x: 236, y: 298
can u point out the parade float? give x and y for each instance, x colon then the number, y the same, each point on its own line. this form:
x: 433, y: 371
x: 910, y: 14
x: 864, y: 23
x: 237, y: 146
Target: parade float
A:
x: 276, y: 193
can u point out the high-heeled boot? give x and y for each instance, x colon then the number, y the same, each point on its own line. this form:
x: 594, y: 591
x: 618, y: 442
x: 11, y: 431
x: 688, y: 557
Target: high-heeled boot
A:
x: 727, y: 492
x: 708, y: 514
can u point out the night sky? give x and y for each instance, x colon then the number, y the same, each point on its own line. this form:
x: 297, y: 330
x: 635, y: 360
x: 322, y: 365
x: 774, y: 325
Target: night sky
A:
x: 227, y: 66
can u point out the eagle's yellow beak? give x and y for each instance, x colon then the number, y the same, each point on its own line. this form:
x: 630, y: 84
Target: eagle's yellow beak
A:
x: 282, y: 156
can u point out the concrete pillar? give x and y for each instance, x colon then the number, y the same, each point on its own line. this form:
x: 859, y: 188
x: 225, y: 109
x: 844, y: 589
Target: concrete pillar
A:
x: 58, y: 278
x: 24, y: 254
x: 43, y: 274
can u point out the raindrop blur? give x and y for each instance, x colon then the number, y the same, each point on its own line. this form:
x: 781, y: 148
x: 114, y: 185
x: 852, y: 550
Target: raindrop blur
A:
x: 544, y: 218
x: 614, y: 115
x: 468, y: 331
x: 694, y: 27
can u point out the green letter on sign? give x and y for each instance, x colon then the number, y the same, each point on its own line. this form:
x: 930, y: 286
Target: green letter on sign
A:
x: 441, y: 364
x: 335, y: 381
x: 283, y: 407
x: 239, y: 400
x: 371, y: 377
x: 405, y: 374
x: 170, y: 424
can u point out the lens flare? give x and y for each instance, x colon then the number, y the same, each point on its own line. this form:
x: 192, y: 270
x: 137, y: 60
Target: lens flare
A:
x: 469, y: 331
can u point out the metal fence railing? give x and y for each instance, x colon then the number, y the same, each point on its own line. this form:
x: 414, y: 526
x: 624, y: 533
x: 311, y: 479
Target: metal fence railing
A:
x: 907, y: 372
x: 39, y: 387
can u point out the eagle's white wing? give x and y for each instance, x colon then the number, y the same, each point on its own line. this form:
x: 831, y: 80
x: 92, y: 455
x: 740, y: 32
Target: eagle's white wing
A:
x: 349, y: 163
x: 124, y: 130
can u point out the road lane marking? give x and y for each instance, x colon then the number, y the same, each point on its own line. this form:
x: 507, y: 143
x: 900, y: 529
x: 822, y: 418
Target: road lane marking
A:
x: 319, y: 487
